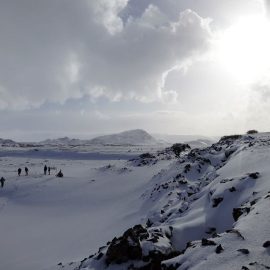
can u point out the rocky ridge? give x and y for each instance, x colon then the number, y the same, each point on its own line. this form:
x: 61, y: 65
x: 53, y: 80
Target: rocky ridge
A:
x: 208, y: 202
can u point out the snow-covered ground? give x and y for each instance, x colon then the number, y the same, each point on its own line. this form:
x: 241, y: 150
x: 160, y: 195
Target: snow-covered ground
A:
x: 45, y: 219
x: 206, y: 209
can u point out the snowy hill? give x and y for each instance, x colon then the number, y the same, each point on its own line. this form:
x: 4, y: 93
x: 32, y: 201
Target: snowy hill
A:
x: 170, y: 138
x: 176, y: 208
x: 8, y: 143
x: 130, y: 137
x: 208, y: 209
x: 63, y: 141
x: 200, y: 143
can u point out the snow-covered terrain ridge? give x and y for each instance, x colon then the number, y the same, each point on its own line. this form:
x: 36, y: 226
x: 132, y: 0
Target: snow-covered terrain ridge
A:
x: 7, y: 143
x: 200, y: 140
x: 130, y: 137
x: 63, y: 141
x: 136, y: 137
x: 210, y: 209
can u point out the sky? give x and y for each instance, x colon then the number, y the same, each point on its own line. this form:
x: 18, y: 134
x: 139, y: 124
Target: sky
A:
x: 87, y: 67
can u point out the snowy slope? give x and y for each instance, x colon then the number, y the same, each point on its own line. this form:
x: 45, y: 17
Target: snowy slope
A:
x: 207, y: 210
x: 45, y: 220
x: 8, y: 143
x: 130, y: 137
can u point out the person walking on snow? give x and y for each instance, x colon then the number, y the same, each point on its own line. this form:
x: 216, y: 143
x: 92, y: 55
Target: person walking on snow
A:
x: 49, y: 170
x: 2, y: 181
x: 45, y: 170
x: 26, y: 171
x: 19, y: 171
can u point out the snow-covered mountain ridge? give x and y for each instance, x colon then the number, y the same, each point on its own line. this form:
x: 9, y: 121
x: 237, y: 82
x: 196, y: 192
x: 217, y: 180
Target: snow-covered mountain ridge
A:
x: 135, y: 137
x: 130, y: 137
x: 8, y: 143
x: 209, y: 209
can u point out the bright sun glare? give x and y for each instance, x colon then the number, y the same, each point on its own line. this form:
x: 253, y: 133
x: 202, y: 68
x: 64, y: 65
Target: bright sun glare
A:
x: 244, y: 48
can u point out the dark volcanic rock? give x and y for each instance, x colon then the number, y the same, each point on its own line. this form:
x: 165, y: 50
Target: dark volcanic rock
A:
x: 206, y: 242
x: 146, y: 155
x: 219, y: 249
x: 232, y: 189
x: 254, y: 175
x: 266, y: 244
x: 177, y: 148
x: 217, y: 201
x: 126, y: 247
x: 243, y: 250
x: 100, y: 255
x: 237, y: 212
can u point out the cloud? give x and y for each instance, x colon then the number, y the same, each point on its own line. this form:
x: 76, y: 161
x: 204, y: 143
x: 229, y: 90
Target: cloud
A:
x: 106, y: 12
x: 262, y: 90
x: 223, y: 12
x: 267, y: 7
x: 52, y: 51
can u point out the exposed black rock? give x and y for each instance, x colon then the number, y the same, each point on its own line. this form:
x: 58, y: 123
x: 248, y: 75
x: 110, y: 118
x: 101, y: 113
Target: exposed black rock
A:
x: 178, y: 148
x: 155, y: 258
x: 149, y: 223
x: 146, y: 155
x: 237, y: 212
x: 217, y: 201
x: 254, y: 175
x: 243, y: 250
x: 259, y: 265
x: 99, y: 256
x: 187, y: 168
x: 219, y: 249
x: 206, y: 242
x: 266, y: 244
x: 126, y: 247
x: 252, y: 131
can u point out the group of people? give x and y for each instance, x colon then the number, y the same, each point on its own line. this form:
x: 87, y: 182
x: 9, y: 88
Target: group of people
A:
x: 59, y: 174
x: 46, y: 169
x: 20, y: 171
x: 26, y: 170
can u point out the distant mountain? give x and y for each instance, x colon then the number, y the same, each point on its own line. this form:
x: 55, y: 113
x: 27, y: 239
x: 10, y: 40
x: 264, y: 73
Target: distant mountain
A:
x: 130, y: 137
x: 198, y: 140
x: 7, y: 143
x: 200, y: 143
x: 64, y: 141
